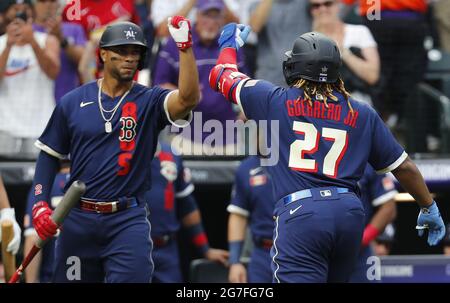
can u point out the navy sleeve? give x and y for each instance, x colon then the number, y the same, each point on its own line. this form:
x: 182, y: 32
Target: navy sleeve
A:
x: 254, y: 96
x: 55, y: 140
x: 386, y: 153
x: 240, y: 194
x: 183, y: 183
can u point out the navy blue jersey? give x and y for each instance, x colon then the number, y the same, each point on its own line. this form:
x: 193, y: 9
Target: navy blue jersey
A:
x: 252, y: 197
x: 48, y: 254
x: 375, y: 190
x: 170, y: 182
x: 319, y: 146
x: 115, y: 164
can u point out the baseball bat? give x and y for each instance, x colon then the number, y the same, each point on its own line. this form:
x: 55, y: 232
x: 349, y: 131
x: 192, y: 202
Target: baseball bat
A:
x: 9, y: 260
x: 72, y: 197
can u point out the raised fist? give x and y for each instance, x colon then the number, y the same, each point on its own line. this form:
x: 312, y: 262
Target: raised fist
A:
x: 180, y: 30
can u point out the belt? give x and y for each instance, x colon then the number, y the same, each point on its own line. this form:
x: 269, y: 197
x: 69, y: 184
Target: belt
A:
x: 265, y: 243
x: 161, y: 241
x: 306, y: 193
x: 102, y: 207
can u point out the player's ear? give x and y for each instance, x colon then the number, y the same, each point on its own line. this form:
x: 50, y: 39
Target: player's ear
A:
x: 102, y: 54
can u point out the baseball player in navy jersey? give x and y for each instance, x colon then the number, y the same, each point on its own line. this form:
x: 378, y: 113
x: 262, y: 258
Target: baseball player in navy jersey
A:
x: 251, y: 204
x: 41, y: 268
x: 377, y: 195
x: 172, y: 205
x: 325, y: 141
x: 110, y: 129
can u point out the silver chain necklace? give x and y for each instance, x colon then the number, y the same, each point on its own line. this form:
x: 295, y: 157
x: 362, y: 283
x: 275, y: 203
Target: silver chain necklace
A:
x: 108, y: 126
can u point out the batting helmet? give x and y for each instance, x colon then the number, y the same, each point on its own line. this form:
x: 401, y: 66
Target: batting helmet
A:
x: 125, y: 33
x: 313, y: 57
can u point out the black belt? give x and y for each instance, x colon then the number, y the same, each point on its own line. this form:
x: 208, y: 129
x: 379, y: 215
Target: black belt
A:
x: 265, y: 243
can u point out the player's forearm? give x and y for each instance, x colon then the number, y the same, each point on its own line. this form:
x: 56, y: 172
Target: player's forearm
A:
x: 412, y: 181
x: 46, y: 168
x: 4, y: 201
x: 32, y: 270
x: 385, y: 214
x: 48, y: 65
x: 188, y: 83
x: 259, y: 17
x: 3, y: 61
x: 237, y: 226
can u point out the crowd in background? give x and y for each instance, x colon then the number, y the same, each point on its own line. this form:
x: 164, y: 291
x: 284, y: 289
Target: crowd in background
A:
x: 49, y: 47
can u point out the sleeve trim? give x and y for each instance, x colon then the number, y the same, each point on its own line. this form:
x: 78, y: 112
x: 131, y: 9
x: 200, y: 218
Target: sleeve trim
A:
x: 237, y: 210
x: 238, y: 94
x: 394, y: 165
x: 49, y: 150
x: 184, y: 122
x: 185, y: 192
x: 384, y: 198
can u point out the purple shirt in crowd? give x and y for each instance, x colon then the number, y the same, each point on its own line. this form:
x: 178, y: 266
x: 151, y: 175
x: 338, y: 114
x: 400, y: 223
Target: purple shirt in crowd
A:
x: 67, y: 78
x: 212, y: 104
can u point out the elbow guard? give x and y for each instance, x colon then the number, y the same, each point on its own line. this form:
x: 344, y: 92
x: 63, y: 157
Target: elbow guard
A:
x: 224, y: 78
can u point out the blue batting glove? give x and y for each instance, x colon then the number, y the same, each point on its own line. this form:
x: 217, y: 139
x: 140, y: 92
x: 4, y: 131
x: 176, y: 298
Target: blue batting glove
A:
x: 430, y: 218
x: 234, y: 35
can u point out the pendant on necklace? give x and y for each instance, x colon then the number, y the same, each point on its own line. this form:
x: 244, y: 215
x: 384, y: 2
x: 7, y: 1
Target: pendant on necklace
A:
x: 108, y: 127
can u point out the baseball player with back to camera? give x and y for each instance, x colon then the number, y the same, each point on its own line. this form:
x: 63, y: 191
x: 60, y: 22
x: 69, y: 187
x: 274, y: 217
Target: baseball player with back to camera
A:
x: 378, y: 198
x: 172, y: 204
x: 110, y: 129
x: 251, y: 204
x: 325, y: 140
x: 41, y: 268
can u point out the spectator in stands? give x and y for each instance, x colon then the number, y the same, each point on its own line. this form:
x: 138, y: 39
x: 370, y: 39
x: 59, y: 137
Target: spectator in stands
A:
x: 446, y: 242
x: 358, y: 48
x: 442, y: 16
x: 71, y: 39
x: 29, y: 64
x: 400, y: 35
x: 383, y: 243
x: 90, y: 67
x: 277, y: 24
x: 96, y: 15
x: 210, y: 19
x: 161, y: 9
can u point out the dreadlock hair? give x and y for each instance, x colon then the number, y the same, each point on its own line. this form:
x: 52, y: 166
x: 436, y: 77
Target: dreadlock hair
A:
x: 311, y: 88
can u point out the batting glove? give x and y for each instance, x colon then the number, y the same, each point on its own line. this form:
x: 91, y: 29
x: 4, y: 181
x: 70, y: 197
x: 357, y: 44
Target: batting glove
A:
x: 180, y: 30
x: 430, y: 218
x: 234, y: 35
x: 43, y: 224
x: 8, y: 214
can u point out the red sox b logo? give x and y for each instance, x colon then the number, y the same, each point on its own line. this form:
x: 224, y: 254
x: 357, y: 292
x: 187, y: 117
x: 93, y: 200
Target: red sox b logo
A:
x: 128, y: 129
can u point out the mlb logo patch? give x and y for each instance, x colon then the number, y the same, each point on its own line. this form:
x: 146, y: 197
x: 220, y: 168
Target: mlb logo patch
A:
x: 258, y: 180
x: 325, y: 193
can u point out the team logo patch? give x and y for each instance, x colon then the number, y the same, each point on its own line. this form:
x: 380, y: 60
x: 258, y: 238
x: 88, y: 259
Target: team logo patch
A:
x: 127, y: 129
x: 38, y: 189
x: 388, y: 184
x: 258, y: 180
x: 169, y: 170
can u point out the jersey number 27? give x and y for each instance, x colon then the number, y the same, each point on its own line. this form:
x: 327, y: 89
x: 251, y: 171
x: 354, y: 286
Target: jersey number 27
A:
x: 310, y: 145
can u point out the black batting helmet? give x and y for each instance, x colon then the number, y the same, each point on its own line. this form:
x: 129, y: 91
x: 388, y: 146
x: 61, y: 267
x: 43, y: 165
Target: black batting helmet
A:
x: 313, y: 57
x: 125, y: 33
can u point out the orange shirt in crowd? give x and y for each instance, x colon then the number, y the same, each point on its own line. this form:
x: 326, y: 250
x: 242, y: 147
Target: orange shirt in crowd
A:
x: 391, y: 5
